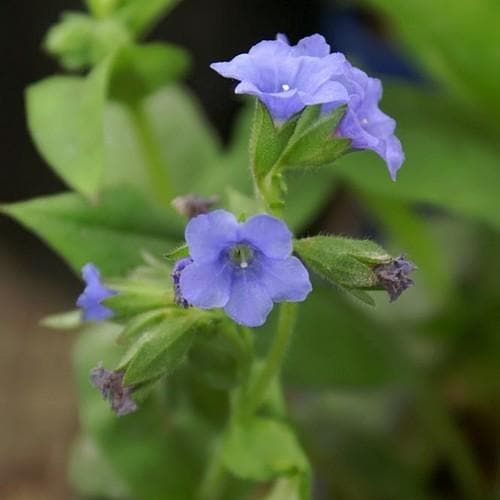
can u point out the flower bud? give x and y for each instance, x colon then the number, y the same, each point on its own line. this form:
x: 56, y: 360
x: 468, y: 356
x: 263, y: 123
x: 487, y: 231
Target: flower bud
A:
x: 356, y: 265
x: 110, y: 383
x: 394, y: 276
x: 191, y: 205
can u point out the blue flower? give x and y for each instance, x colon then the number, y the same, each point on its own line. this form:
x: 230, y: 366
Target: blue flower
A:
x: 285, y: 78
x: 93, y: 294
x: 242, y: 267
x: 364, y: 123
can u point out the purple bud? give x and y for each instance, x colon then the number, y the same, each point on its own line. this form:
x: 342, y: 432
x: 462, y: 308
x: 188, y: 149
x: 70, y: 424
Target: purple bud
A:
x: 179, y: 266
x: 192, y: 205
x: 110, y: 383
x: 394, y: 276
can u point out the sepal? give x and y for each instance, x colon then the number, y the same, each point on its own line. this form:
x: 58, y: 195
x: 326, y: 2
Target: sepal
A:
x: 306, y: 140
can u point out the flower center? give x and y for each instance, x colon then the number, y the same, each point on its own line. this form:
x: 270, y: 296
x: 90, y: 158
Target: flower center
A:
x: 285, y: 87
x: 241, y: 255
x: 365, y: 121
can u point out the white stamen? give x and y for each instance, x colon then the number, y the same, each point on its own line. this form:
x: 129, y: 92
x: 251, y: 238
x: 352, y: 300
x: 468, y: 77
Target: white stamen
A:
x: 285, y: 87
x: 364, y: 121
x: 244, y: 264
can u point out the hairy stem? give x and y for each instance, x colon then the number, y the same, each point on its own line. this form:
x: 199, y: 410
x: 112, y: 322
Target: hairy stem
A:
x: 274, y: 360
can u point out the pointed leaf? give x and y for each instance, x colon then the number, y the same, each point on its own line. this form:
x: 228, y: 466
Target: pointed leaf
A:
x: 112, y: 234
x: 65, y: 118
x: 158, y: 351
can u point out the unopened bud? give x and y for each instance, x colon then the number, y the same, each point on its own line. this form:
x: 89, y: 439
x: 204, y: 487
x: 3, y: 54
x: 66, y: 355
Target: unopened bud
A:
x: 394, y: 276
x: 110, y: 383
x: 191, y: 205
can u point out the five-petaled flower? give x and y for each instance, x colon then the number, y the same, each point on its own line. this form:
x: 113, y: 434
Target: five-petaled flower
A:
x: 93, y: 294
x: 241, y: 267
x: 286, y: 79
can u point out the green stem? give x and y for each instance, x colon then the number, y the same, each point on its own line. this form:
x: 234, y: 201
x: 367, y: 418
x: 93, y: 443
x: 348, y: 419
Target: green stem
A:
x: 274, y: 360
x: 154, y: 163
x: 215, y: 477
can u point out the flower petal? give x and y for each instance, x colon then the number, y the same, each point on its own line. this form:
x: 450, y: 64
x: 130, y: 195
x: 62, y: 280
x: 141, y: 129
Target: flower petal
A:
x: 314, y: 45
x: 285, y: 279
x: 208, y: 234
x: 268, y: 234
x: 206, y: 285
x: 249, y: 303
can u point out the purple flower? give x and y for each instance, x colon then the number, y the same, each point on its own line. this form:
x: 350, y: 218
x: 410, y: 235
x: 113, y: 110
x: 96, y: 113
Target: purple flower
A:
x: 285, y: 78
x: 242, y: 267
x: 364, y: 123
x: 93, y: 294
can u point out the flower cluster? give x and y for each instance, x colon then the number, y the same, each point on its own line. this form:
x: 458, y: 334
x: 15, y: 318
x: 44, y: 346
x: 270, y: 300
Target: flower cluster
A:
x: 241, y: 267
x: 287, y: 78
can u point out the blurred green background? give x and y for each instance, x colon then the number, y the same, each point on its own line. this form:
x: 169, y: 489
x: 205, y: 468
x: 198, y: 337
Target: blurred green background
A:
x: 400, y: 401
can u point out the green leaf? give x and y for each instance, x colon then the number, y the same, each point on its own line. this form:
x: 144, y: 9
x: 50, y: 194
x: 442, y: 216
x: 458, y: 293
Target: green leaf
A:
x: 65, y: 118
x: 217, y: 356
x: 139, y: 16
x: 337, y: 344
x: 140, y: 70
x: 262, y: 449
x: 456, y: 170
x: 177, y: 253
x: 112, y: 234
x: 63, y: 321
x: 158, y: 351
x: 137, y: 298
x: 313, y: 144
x: 306, y: 119
x: 342, y: 261
x: 186, y: 144
x: 89, y: 142
x: 139, y: 324
x: 265, y: 145
x: 471, y: 68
